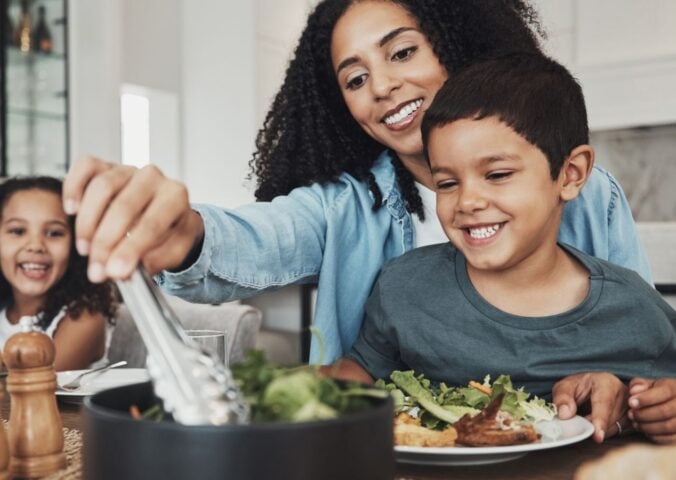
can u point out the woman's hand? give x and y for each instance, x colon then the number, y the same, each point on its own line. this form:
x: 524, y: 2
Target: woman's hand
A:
x: 653, y: 408
x: 605, y: 394
x: 126, y: 215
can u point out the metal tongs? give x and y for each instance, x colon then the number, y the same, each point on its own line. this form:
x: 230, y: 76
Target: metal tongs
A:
x: 195, y: 386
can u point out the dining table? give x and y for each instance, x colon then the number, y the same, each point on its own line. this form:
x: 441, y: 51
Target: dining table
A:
x: 553, y: 464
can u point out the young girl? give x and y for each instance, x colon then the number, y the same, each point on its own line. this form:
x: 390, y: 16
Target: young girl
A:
x: 42, y: 276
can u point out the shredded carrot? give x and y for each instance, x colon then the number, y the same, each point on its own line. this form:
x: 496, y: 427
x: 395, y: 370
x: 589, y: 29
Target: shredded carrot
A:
x: 480, y: 387
x: 135, y: 412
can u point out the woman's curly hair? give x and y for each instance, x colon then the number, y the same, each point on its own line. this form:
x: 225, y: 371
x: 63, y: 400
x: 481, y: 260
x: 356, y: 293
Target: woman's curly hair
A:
x: 309, y: 134
x: 73, y: 290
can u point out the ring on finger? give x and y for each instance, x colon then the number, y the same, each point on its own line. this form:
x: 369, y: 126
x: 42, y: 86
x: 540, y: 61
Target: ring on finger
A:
x: 619, y: 427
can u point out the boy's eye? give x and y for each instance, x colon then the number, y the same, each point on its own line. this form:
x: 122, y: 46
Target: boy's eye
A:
x: 404, y: 53
x: 356, y: 82
x: 500, y: 175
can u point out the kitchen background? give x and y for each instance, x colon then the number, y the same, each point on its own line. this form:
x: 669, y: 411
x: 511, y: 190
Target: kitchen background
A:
x: 186, y: 83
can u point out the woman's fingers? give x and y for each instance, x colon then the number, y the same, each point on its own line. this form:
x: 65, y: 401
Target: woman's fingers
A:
x: 604, y: 409
x: 566, y: 394
x: 95, y: 204
x: 79, y: 176
x: 656, y: 412
x: 638, y: 385
x: 124, y: 213
x: 133, y: 224
x: 168, y: 251
x: 660, y: 427
x: 664, y: 439
x: 659, y: 391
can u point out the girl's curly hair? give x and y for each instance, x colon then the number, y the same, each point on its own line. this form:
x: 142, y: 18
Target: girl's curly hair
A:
x: 309, y: 134
x: 73, y: 290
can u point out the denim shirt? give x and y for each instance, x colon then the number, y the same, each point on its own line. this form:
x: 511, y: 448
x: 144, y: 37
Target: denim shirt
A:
x: 330, y: 234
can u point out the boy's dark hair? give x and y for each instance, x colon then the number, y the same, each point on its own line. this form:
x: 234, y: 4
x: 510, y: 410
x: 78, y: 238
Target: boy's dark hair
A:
x: 536, y: 96
x: 309, y: 134
x: 74, y: 291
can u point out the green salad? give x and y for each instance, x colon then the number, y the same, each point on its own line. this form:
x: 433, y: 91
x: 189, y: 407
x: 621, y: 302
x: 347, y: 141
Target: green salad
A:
x: 296, y: 394
x: 438, y: 406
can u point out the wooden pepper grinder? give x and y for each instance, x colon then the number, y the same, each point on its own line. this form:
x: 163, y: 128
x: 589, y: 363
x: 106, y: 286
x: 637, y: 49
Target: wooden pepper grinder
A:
x: 35, y: 429
x: 4, y: 449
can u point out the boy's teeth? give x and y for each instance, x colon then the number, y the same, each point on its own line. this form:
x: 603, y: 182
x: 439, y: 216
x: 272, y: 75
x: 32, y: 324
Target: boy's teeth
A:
x: 403, y: 113
x: 484, y: 232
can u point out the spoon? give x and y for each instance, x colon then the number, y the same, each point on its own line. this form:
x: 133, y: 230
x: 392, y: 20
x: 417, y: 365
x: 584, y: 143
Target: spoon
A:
x: 75, y: 384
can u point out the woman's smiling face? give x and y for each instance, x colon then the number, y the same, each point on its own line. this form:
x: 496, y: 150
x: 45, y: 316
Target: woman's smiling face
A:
x: 387, y: 72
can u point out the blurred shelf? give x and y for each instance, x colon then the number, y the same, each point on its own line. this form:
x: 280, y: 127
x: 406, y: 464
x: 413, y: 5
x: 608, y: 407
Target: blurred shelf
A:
x: 16, y: 57
x: 35, y: 2
x: 36, y: 114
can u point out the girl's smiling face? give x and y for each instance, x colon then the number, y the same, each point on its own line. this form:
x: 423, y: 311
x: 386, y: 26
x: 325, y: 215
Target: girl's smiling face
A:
x: 387, y: 72
x: 35, y: 244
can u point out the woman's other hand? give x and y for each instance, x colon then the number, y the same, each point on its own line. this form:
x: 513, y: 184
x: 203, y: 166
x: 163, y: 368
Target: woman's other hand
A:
x: 126, y: 215
x: 652, y: 408
x: 605, y: 395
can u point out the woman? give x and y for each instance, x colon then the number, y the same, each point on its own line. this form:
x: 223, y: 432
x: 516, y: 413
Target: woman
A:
x: 341, y: 175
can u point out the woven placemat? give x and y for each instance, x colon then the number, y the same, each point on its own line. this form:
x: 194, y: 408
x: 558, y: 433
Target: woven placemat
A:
x: 72, y: 447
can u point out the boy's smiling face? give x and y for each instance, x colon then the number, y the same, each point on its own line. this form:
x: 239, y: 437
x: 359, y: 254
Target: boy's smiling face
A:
x: 496, y: 199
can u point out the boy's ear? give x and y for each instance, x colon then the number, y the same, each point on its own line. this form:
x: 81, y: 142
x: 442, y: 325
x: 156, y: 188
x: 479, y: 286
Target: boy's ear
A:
x: 575, y: 171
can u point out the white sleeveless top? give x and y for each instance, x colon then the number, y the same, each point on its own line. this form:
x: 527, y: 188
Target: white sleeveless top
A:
x: 7, y: 330
x: 430, y: 231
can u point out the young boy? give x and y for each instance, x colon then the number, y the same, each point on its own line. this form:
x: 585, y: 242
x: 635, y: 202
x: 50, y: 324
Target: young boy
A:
x: 507, y: 143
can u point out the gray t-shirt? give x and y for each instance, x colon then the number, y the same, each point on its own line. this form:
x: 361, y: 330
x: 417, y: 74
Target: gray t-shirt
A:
x: 424, y: 314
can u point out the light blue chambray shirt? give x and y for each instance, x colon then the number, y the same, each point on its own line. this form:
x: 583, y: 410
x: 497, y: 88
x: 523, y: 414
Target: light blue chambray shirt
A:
x: 330, y: 234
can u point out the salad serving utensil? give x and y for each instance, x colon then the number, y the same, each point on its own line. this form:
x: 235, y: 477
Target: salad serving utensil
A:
x: 195, y: 387
x: 76, y: 383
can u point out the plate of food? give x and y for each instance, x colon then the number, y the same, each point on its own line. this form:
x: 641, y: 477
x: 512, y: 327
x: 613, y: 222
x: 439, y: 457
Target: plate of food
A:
x: 474, y: 425
x: 103, y: 381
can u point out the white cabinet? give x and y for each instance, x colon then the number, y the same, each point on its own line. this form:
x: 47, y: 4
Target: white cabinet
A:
x: 624, y: 54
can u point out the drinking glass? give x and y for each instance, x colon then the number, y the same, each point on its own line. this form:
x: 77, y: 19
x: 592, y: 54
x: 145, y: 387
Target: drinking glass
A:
x: 213, y: 341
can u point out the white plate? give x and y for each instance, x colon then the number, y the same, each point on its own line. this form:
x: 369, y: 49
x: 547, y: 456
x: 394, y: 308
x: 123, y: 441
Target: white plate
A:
x: 110, y: 379
x: 572, y: 431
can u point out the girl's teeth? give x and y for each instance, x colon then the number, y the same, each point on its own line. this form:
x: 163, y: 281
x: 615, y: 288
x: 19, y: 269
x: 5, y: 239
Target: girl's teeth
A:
x: 33, y: 266
x: 484, y: 232
x: 403, y: 113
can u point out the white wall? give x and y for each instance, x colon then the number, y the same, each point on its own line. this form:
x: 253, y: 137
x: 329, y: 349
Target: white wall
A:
x: 218, y: 81
x: 151, y: 44
x: 95, y: 72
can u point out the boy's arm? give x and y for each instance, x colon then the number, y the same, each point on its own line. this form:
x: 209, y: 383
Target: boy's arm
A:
x: 346, y: 369
x: 605, y: 394
x: 652, y: 408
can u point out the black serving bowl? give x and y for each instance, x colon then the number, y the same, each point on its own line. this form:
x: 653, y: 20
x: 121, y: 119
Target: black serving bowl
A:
x: 352, y: 447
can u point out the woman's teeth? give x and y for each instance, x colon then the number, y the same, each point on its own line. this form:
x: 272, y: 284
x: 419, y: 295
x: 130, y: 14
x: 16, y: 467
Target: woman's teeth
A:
x: 406, y: 111
x: 484, y: 232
